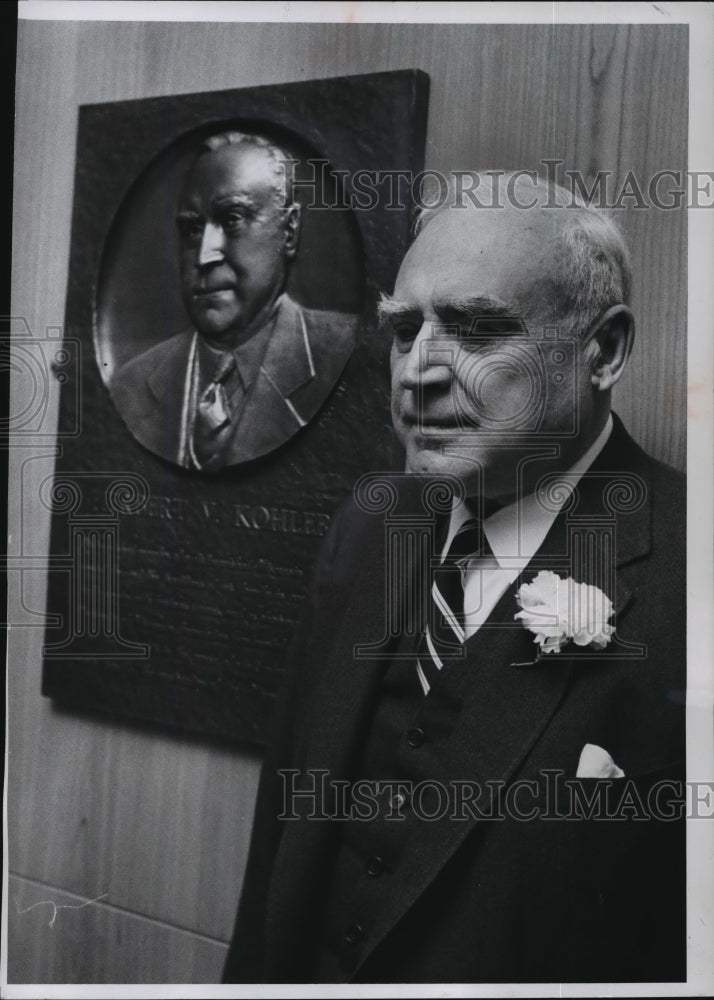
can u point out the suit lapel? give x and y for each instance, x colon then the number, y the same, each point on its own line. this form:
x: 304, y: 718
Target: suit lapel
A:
x: 287, y: 366
x: 501, y: 710
x: 166, y: 379
x: 288, y: 362
x: 509, y: 707
x: 269, y: 417
x: 166, y: 384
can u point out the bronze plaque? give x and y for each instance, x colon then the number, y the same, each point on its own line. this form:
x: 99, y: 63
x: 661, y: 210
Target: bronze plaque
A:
x: 224, y: 383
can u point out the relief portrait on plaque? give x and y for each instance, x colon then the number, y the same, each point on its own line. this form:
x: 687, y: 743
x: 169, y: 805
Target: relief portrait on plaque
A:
x: 254, y: 365
x: 228, y: 252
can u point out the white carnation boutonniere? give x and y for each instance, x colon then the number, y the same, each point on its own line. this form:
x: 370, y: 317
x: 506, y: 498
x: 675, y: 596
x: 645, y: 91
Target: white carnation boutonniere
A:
x: 558, y: 611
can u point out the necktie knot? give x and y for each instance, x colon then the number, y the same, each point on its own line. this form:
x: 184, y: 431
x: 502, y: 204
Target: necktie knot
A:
x: 468, y: 541
x: 226, y: 365
x: 444, y: 633
x: 213, y: 406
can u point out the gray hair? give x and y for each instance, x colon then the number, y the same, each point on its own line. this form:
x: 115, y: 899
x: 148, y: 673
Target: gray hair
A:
x: 284, y: 191
x: 591, y: 263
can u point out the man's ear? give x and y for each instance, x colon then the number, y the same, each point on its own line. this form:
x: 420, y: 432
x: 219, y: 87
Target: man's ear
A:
x: 292, y: 230
x: 609, y: 345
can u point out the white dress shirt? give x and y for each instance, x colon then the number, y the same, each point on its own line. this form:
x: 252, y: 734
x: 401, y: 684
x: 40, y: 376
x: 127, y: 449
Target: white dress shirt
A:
x: 515, y: 533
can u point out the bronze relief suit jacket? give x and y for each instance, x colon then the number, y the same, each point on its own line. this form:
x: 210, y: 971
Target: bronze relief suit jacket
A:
x: 305, y: 356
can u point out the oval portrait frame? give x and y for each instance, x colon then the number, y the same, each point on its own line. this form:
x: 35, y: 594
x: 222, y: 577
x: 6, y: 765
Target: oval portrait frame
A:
x: 139, y: 305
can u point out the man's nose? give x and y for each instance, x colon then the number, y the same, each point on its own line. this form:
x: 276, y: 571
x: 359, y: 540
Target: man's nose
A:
x: 211, y: 248
x: 430, y: 360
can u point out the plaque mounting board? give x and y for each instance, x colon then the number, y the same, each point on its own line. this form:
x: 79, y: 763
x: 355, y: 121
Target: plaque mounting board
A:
x: 174, y: 594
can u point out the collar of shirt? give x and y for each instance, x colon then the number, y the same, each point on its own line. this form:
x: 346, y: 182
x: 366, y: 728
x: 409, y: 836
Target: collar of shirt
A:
x: 514, y: 533
x: 249, y: 356
x: 519, y: 528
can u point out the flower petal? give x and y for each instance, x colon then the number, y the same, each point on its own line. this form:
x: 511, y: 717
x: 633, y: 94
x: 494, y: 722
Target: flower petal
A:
x: 557, y: 609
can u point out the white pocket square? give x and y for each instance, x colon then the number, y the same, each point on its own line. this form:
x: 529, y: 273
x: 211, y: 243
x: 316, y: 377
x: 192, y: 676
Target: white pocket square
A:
x: 597, y: 763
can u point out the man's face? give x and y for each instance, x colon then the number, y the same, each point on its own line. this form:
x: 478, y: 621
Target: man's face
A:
x: 474, y: 392
x: 236, y: 241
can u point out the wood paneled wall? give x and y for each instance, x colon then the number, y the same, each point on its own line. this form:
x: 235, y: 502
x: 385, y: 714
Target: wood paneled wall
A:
x: 158, y: 827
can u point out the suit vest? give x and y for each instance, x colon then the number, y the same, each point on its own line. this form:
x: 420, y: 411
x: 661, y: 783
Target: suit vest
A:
x: 381, y: 813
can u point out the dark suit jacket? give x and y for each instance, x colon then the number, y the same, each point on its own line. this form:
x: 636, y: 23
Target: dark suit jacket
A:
x: 299, y: 370
x: 488, y: 900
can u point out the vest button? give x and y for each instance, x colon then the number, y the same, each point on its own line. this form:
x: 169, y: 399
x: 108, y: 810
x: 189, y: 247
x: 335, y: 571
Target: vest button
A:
x: 375, y: 866
x: 354, y: 934
x: 415, y: 737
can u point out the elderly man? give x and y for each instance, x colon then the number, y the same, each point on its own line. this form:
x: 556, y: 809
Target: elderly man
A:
x: 257, y: 366
x: 476, y: 774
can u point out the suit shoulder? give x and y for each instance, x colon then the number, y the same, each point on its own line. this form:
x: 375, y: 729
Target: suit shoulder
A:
x: 141, y: 366
x: 671, y: 483
x: 668, y: 488
x: 146, y: 393
x: 669, y: 511
x: 665, y: 498
x: 332, y: 337
x: 358, y: 526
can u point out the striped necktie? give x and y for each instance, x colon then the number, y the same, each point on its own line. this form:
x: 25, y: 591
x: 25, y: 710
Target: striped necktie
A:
x: 444, y: 633
x: 214, y: 411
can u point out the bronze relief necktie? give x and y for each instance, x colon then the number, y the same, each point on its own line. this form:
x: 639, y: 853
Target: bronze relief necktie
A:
x: 214, y: 412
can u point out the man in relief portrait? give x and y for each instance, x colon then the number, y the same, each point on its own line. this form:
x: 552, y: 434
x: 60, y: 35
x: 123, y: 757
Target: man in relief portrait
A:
x: 491, y: 790
x: 256, y: 366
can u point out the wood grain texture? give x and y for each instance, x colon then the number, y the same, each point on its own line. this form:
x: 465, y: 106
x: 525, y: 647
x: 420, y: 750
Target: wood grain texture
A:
x: 60, y: 937
x: 161, y: 824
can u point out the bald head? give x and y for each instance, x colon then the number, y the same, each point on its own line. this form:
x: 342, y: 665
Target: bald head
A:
x: 578, y: 261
